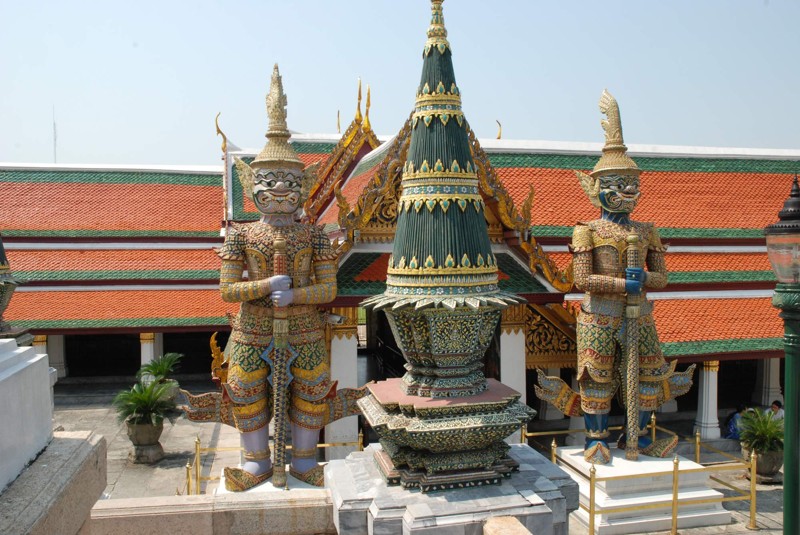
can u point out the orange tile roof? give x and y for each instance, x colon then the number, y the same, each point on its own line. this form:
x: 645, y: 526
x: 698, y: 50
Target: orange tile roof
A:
x: 112, y: 260
x: 670, y: 199
x: 696, y: 320
x: 697, y: 261
x: 103, y: 307
x: 86, y: 206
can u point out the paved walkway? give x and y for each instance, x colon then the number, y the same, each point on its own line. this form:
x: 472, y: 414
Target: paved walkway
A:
x: 88, y: 407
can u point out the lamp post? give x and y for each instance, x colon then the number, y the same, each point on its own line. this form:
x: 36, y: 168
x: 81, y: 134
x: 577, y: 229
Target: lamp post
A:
x: 783, y: 249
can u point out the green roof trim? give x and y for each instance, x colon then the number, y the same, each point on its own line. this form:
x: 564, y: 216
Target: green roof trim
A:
x: 312, y: 147
x: 120, y: 323
x: 350, y: 269
x: 553, y: 231
x: 698, y: 277
x: 520, y: 279
x: 646, y: 163
x: 100, y: 275
x: 100, y: 176
x: 741, y: 345
x: 92, y: 233
x: 239, y: 213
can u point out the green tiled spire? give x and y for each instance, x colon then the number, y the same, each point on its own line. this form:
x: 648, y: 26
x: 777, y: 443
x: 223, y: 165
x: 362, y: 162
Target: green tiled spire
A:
x: 442, y: 254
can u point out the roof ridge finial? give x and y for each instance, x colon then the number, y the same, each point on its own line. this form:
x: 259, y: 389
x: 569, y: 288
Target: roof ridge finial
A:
x: 359, y: 118
x: 367, y: 126
x: 437, y: 33
x: 277, y: 152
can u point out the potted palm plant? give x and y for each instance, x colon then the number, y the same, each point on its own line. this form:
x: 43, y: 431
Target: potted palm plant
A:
x: 763, y: 433
x: 159, y: 370
x: 143, y: 408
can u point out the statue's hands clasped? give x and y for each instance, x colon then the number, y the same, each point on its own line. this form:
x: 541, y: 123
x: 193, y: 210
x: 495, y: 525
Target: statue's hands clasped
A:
x: 634, y: 280
x: 282, y: 294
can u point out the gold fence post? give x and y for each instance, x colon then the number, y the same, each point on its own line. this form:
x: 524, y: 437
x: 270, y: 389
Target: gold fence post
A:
x: 553, y: 452
x: 653, y: 426
x: 522, y: 434
x: 697, y: 446
x: 188, y: 478
x: 197, y: 465
x: 361, y: 440
x: 753, y: 478
x: 592, y: 483
x: 675, y: 463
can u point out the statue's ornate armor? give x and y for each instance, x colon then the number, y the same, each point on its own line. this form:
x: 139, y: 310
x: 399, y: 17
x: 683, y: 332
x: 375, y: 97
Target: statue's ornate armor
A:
x: 249, y: 351
x: 599, y: 249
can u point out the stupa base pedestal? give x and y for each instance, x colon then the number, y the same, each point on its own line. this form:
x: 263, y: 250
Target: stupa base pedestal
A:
x: 444, y: 443
x: 449, y: 479
x: 540, y: 494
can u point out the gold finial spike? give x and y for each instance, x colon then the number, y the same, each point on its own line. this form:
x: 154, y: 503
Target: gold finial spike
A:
x: 499, y: 129
x: 277, y: 153
x: 437, y: 33
x: 615, y: 154
x: 367, y: 126
x: 358, y: 108
x: 276, y: 104
x: 612, y: 126
x: 338, y: 123
x: 220, y: 133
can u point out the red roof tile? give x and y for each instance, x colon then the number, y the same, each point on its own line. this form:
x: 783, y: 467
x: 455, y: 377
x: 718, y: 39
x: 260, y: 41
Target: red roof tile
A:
x: 117, y: 304
x: 85, y: 206
x: 693, y: 320
x: 112, y: 260
x: 670, y: 199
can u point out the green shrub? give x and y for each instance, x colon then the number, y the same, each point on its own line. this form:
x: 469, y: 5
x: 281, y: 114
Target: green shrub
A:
x: 762, y: 432
x: 160, y: 368
x: 143, y: 403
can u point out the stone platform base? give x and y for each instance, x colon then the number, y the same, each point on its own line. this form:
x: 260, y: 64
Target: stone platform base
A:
x: 55, y: 494
x: 540, y: 495
x: 653, y: 491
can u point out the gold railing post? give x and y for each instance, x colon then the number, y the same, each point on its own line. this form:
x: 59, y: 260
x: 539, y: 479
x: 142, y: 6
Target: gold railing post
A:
x: 361, y: 440
x: 697, y: 446
x: 188, y: 478
x: 675, y: 463
x: 553, y: 451
x: 653, y: 426
x: 592, y: 483
x: 197, y: 465
x: 753, y: 478
x: 522, y: 434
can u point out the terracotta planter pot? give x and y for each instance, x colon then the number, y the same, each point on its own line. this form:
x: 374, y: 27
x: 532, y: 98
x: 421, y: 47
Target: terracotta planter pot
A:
x: 146, y: 447
x: 769, y: 463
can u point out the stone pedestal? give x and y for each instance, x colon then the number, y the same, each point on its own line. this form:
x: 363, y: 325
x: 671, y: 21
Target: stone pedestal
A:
x: 540, y: 495
x: 56, y: 493
x: 26, y: 418
x: 654, y: 491
x: 441, y: 443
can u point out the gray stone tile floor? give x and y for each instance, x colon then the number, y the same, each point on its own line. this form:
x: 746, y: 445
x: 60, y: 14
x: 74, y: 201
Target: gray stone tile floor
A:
x: 87, y: 406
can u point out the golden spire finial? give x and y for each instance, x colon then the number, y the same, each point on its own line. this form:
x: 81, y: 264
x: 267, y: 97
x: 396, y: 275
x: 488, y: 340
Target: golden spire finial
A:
x: 358, y: 107
x: 499, y: 129
x: 338, y: 123
x: 437, y: 33
x: 367, y: 126
x: 615, y: 153
x: 221, y: 133
x: 277, y: 152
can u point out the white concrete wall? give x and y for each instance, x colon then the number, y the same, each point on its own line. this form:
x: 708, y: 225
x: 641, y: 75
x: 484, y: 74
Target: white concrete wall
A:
x: 26, y: 418
x: 344, y: 368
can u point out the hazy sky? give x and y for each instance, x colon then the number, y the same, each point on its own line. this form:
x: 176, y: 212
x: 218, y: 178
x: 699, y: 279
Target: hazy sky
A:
x: 139, y: 82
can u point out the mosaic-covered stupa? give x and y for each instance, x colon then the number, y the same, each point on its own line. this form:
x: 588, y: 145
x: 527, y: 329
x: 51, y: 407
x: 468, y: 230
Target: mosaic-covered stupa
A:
x: 443, y: 303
